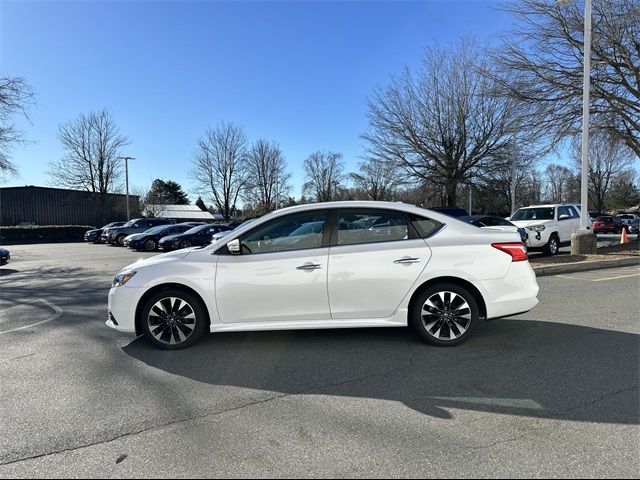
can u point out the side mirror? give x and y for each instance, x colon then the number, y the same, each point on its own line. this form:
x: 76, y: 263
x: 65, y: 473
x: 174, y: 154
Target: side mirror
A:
x: 234, y: 246
x: 564, y: 217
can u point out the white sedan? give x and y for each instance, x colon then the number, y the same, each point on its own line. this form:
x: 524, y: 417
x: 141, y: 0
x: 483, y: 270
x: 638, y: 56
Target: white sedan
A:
x: 410, y: 266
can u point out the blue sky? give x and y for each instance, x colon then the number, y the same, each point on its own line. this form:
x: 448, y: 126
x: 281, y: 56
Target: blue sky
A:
x: 295, y: 72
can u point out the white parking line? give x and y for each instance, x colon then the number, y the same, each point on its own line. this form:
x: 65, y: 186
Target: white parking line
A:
x: 614, y: 278
x: 58, y: 312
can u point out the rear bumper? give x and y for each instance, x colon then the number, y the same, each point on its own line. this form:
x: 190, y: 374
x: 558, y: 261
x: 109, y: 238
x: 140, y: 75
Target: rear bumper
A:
x: 516, y: 293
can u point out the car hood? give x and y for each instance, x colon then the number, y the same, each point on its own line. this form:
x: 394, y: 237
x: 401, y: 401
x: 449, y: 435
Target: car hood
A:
x: 529, y: 223
x: 134, y: 236
x: 3, y: 251
x: 95, y: 230
x: 157, y: 259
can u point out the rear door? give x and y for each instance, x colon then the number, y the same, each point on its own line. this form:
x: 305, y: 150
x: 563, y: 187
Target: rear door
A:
x: 375, y: 257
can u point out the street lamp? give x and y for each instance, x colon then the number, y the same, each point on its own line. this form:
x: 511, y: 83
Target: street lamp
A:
x: 588, y: 242
x: 126, y: 169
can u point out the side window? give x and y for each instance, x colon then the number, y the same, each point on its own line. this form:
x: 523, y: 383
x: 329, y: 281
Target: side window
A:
x: 424, y: 226
x: 573, y: 212
x: 563, y: 211
x: 359, y: 226
x: 293, y: 232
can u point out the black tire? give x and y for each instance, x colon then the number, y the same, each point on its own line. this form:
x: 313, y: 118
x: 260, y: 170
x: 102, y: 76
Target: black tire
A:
x: 440, y: 326
x: 120, y: 240
x: 150, y: 245
x: 552, y: 246
x: 185, y: 244
x: 169, y: 328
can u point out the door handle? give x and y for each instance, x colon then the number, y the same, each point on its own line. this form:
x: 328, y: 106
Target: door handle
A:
x: 309, y: 266
x: 406, y: 260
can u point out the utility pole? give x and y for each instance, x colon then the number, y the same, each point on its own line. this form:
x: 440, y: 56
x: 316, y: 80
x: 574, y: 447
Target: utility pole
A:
x: 126, y: 169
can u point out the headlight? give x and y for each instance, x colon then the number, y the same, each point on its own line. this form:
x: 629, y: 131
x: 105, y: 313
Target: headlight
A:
x: 122, y: 278
x: 537, y: 228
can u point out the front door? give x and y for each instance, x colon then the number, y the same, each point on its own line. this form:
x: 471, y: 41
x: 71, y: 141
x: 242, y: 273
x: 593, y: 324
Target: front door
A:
x: 280, y: 274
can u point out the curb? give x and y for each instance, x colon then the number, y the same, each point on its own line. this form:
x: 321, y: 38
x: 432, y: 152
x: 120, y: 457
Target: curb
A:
x: 585, y: 266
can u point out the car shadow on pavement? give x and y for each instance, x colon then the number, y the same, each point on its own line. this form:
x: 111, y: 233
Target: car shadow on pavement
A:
x: 7, y: 271
x: 516, y: 367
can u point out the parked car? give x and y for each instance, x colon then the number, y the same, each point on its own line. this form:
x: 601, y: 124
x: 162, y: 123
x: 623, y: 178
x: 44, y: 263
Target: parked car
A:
x: 635, y: 226
x: 5, y: 256
x: 193, y: 237
x: 607, y: 224
x: 149, y: 239
x: 627, y: 219
x: 423, y: 268
x: 116, y: 235
x: 223, y: 233
x: 493, y: 222
x: 548, y: 226
x: 95, y: 235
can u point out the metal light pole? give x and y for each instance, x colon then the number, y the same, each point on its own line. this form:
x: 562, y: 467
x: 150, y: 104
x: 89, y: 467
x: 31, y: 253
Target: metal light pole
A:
x: 126, y: 169
x: 584, y: 193
x: 583, y: 240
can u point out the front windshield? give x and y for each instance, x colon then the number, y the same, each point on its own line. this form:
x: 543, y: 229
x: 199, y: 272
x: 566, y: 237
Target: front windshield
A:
x: 197, y: 229
x: 157, y: 229
x: 540, y: 213
x: 129, y: 223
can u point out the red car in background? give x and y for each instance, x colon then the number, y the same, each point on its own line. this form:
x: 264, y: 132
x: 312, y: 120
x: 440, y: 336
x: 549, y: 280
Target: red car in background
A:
x: 607, y: 224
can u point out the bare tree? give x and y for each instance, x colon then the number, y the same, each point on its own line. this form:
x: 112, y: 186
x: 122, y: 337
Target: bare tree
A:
x: 542, y: 61
x: 608, y: 156
x: 219, y: 167
x: 324, y: 173
x: 15, y: 97
x: 268, y: 178
x: 92, y: 144
x: 557, y: 183
x: 444, y: 123
x: 377, y: 178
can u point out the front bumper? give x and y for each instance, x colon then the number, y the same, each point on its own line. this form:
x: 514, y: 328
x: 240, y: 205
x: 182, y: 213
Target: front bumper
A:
x: 122, y: 305
x: 4, y: 259
x: 536, y: 239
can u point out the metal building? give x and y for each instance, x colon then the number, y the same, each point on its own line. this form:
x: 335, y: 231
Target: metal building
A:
x: 32, y: 205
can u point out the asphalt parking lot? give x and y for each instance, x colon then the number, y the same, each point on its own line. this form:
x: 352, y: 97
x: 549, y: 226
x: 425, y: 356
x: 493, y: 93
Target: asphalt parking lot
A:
x: 551, y: 393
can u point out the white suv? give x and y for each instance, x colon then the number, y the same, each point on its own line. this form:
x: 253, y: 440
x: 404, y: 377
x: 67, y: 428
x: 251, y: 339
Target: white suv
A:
x: 549, y: 226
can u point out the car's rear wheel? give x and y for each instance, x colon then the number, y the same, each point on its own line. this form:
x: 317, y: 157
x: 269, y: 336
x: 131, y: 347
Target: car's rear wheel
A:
x: 445, y: 315
x: 150, y: 245
x: 173, y: 319
x: 185, y: 244
x: 552, y: 246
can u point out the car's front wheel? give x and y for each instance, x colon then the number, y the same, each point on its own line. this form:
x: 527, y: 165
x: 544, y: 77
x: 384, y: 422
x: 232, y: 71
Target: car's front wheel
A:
x: 173, y: 319
x: 445, y: 315
x: 185, y: 244
x: 150, y: 245
x: 552, y: 246
x: 120, y: 240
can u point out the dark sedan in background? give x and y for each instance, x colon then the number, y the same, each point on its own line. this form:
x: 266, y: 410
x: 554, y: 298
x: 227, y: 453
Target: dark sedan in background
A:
x: 195, y: 237
x: 96, y: 234
x: 149, y: 239
x: 491, y: 221
x: 5, y: 256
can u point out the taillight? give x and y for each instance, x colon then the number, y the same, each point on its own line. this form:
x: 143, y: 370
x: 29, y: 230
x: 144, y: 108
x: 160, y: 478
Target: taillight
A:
x: 517, y: 251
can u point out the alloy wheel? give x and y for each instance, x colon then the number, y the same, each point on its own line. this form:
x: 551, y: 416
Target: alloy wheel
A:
x: 446, y: 316
x: 171, y: 321
x: 150, y: 245
x: 185, y: 244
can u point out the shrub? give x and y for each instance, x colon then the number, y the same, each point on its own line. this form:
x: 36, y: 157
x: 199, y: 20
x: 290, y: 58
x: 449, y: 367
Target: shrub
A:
x: 43, y: 234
